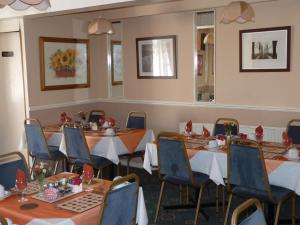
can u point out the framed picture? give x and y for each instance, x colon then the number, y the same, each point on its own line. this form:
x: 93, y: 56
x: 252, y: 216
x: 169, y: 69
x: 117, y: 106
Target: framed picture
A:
x: 116, y: 63
x: 64, y: 63
x: 265, y: 50
x: 156, y: 57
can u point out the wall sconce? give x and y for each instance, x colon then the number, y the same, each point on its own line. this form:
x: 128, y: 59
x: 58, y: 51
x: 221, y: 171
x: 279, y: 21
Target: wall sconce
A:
x: 25, y: 4
x: 238, y: 11
x: 100, y: 26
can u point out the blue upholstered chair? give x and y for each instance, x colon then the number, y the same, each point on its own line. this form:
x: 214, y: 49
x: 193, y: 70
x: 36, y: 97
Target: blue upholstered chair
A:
x: 78, y: 152
x: 256, y: 218
x: 293, y: 131
x: 120, y: 203
x: 135, y: 120
x: 248, y: 178
x: 94, y: 116
x: 174, y: 167
x: 8, y: 167
x: 37, y: 145
x: 220, y: 127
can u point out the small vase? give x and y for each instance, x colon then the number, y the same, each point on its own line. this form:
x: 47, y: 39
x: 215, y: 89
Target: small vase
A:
x: 41, y: 183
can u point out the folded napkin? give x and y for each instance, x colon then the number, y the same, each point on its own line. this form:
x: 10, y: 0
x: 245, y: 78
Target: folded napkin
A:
x: 21, y: 179
x: 287, y: 141
x: 65, y: 118
x: 88, y: 171
x: 259, y: 131
x: 101, y: 120
x: 243, y: 136
x: 189, y: 126
x: 205, y: 132
x: 111, y: 122
x: 221, y: 137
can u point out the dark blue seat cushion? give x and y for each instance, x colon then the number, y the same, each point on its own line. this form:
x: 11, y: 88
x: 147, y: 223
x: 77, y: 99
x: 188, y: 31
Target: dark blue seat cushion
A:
x: 294, y: 133
x: 54, y: 152
x: 200, y: 179
x: 98, y: 162
x: 278, y: 193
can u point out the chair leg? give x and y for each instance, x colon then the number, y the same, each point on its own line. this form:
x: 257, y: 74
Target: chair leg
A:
x: 293, y: 209
x: 98, y: 174
x: 217, y: 199
x: 198, y: 204
x: 223, y: 198
x: 187, y: 194
x: 128, y: 164
x: 55, y: 167
x: 72, y: 167
x: 277, y: 213
x: 228, y: 209
x: 159, y: 200
x: 180, y: 194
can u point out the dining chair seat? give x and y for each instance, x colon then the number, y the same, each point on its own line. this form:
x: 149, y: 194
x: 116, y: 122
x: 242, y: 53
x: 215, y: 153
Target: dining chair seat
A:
x: 199, y: 179
x: 97, y: 161
x: 54, y: 154
x: 278, y: 193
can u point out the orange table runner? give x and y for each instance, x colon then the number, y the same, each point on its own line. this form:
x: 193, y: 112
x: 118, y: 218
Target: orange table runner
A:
x: 10, y: 208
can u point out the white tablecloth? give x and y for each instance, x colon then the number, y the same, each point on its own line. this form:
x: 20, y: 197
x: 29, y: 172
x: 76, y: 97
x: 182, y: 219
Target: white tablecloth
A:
x: 109, y: 147
x: 141, y: 215
x: 214, y: 164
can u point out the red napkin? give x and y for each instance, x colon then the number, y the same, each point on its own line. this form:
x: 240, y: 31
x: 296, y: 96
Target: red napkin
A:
x: 189, y: 126
x: 101, y: 120
x: 68, y: 119
x: 205, y: 132
x: 221, y: 137
x: 76, y: 180
x: 259, y: 131
x: 243, y: 136
x: 21, y: 179
x: 287, y: 141
x: 88, y: 171
x: 111, y: 122
x: 63, y: 117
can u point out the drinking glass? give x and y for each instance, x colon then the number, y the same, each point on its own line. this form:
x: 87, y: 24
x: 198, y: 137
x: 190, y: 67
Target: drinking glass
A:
x: 87, y: 177
x: 21, y: 186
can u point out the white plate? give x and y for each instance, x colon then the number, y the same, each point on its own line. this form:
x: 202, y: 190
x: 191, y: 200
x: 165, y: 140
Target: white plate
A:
x: 292, y: 159
x: 6, y: 194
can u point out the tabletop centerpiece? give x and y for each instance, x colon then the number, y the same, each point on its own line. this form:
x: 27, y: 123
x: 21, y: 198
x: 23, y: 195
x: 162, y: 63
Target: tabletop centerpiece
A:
x: 40, y: 172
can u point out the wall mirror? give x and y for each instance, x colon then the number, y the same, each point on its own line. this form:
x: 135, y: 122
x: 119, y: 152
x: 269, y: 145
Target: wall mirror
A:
x: 205, y: 55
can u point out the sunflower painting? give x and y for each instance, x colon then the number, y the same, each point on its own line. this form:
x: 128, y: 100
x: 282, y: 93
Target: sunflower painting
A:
x: 64, y: 63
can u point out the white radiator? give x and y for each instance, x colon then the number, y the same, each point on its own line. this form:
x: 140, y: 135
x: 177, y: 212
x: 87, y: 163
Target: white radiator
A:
x: 273, y: 134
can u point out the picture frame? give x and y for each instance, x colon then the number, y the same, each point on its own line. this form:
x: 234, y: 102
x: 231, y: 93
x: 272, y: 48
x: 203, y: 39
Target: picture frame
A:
x: 116, y: 63
x: 265, y: 49
x: 64, y: 63
x: 156, y: 57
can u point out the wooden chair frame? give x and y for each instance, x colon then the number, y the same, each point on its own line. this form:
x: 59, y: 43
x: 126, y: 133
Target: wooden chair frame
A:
x: 257, y: 146
x: 240, y: 209
x: 130, y: 177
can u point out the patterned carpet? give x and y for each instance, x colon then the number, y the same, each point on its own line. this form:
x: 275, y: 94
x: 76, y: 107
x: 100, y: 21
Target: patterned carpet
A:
x: 151, y: 187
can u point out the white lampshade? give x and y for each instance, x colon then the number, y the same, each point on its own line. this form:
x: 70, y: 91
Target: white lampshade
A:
x: 238, y: 11
x: 209, y: 39
x: 25, y: 4
x: 100, y: 26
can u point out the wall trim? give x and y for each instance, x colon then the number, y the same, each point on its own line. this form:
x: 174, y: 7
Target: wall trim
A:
x: 164, y: 103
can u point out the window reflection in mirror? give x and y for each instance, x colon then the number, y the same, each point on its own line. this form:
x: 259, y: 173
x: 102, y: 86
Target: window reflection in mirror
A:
x: 116, y: 71
x: 205, y: 76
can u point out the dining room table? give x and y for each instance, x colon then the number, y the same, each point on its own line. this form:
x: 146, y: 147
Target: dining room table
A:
x: 282, y: 170
x: 109, y: 146
x: 50, y: 213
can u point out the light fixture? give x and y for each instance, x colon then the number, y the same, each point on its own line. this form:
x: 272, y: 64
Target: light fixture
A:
x: 238, y: 11
x: 100, y: 26
x: 209, y: 39
x: 25, y: 4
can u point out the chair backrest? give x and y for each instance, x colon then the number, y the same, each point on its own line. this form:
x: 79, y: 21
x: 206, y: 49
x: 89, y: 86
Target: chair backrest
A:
x: 136, y: 120
x: 172, y: 157
x: 246, y: 167
x: 35, y: 138
x: 94, y: 116
x: 120, y: 203
x: 220, y: 126
x: 256, y: 218
x: 9, y: 163
x: 293, y: 130
x: 76, y: 144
